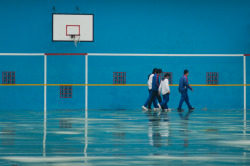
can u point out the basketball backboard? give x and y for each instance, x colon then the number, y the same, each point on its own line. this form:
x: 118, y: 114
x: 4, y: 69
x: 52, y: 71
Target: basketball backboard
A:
x: 68, y: 27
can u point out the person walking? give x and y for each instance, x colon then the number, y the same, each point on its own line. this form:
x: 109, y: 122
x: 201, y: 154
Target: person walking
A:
x: 150, y: 79
x: 165, y: 91
x: 155, y: 87
x: 183, y: 89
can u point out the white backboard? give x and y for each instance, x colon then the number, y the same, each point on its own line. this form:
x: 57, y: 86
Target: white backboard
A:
x: 66, y: 25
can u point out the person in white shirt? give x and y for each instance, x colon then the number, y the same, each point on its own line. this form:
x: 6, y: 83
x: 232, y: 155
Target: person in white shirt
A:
x: 165, y: 91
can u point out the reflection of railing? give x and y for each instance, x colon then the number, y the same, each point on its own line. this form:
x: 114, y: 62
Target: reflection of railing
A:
x: 86, y: 136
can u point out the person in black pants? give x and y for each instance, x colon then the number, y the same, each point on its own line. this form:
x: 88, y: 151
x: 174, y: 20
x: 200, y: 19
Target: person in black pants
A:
x: 155, y: 87
x: 150, y: 78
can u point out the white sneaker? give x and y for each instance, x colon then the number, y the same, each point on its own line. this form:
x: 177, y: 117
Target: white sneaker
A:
x: 144, y: 108
x: 165, y: 110
x: 169, y: 110
x: 155, y: 109
x: 159, y: 106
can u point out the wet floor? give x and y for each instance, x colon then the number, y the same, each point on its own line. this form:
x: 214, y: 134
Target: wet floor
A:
x: 124, y: 137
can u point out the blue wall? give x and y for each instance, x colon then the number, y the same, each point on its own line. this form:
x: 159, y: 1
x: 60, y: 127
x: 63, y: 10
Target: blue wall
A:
x: 28, y: 70
x: 126, y: 26
x: 131, y: 26
x: 230, y: 71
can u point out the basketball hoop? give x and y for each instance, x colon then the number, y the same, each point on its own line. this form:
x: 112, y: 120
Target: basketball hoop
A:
x: 75, y: 38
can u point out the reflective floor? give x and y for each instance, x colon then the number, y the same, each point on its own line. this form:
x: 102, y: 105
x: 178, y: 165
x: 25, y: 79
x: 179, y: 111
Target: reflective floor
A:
x: 124, y: 137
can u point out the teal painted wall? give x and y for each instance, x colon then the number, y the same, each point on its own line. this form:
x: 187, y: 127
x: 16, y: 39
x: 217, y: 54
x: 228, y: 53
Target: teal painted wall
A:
x: 163, y: 26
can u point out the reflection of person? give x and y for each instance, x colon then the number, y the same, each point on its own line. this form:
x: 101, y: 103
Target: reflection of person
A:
x: 165, y: 90
x: 184, y: 127
x: 165, y: 128
x: 158, y: 129
x: 183, y: 89
x: 150, y: 79
x: 153, y: 129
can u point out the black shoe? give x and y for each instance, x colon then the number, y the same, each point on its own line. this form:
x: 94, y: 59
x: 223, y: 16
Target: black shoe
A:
x: 191, y: 109
x: 180, y: 110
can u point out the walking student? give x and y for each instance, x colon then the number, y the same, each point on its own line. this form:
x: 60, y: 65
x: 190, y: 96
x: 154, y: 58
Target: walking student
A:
x: 183, y: 89
x: 155, y: 88
x: 165, y: 91
x: 150, y: 79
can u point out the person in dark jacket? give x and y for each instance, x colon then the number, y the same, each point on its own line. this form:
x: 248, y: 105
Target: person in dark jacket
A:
x: 155, y: 87
x: 183, y: 89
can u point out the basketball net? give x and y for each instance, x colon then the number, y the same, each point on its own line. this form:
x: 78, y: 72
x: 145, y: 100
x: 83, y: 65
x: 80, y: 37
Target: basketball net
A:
x: 75, y: 39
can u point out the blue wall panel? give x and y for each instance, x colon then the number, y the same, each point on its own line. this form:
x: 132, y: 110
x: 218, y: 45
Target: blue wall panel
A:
x: 134, y: 97
x: 247, y: 69
x: 117, y: 97
x: 22, y: 98
x: 28, y: 69
x: 71, y: 70
x: 54, y: 102
x: 66, y: 69
x: 217, y: 97
x: 138, y: 68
